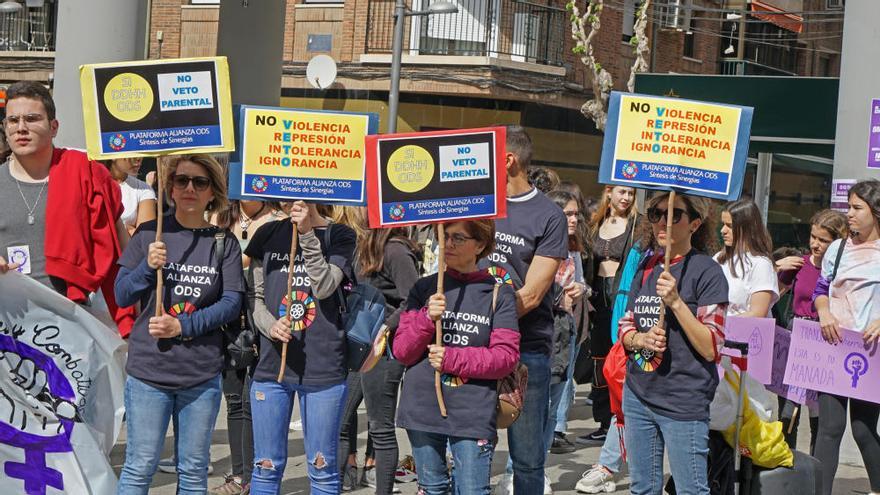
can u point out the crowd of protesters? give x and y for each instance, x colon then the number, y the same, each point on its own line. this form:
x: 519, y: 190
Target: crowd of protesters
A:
x: 551, y: 286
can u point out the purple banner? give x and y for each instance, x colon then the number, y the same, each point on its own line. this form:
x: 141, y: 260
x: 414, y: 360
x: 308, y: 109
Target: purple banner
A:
x: 780, y: 358
x: 874, y: 135
x: 758, y: 332
x: 850, y: 369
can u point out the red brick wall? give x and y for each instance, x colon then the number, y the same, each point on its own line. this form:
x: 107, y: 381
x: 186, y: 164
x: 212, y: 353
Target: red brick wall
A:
x: 165, y: 17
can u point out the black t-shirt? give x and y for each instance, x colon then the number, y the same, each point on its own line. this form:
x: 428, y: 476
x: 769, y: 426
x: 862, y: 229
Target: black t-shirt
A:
x: 534, y: 226
x: 316, y: 353
x: 470, y: 403
x: 679, y: 384
x: 399, y: 273
x: 192, y: 280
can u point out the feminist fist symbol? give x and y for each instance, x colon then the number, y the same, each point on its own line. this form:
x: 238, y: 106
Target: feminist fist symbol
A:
x: 855, y: 364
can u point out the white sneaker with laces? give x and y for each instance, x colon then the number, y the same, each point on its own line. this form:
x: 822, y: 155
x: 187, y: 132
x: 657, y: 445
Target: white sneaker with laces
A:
x: 596, y: 480
x: 547, y: 489
x: 504, y: 486
x: 296, y: 425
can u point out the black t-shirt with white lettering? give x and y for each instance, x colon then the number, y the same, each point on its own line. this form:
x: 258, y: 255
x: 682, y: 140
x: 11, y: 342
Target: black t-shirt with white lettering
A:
x: 192, y: 280
x: 316, y: 353
x: 535, y: 226
x: 680, y: 383
x: 471, y: 404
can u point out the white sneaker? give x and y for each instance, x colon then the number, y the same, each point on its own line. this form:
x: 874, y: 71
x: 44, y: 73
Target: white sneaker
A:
x: 596, y: 480
x: 296, y: 425
x: 504, y: 486
x: 547, y: 489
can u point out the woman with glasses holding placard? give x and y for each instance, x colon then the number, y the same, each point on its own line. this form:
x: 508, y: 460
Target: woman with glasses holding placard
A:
x: 671, y: 374
x: 481, y: 345
x: 174, y: 360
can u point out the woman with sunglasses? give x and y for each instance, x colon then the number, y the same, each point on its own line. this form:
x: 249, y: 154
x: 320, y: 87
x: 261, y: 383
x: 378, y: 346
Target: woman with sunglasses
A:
x: 612, y: 231
x: 310, y: 322
x: 481, y: 345
x: 174, y: 360
x: 747, y: 260
x: 847, y: 295
x: 671, y: 374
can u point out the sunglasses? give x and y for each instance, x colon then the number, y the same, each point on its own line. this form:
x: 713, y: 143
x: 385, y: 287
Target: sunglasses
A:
x: 656, y: 214
x: 199, y: 182
x: 458, y: 239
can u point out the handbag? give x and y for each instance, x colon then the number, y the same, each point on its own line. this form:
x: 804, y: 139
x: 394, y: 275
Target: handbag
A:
x: 511, y: 388
x: 239, y: 338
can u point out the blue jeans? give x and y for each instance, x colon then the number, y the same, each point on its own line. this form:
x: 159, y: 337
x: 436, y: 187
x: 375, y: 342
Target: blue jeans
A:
x: 472, y: 459
x: 321, y: 410
x: 687, y: 442
x: 609, y: 456
x: 527, y: 462
x: 148, y: 410
x: 568, y: 390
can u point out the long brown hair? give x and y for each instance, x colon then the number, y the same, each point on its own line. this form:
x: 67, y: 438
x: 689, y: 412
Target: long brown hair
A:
x: 604, y: 210
x: 703, y: 239
x: 562, y: 198
x: 227, y: 217
x: 750, y: 236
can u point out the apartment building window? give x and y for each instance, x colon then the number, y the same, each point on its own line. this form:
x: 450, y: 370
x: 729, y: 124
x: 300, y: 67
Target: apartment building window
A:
x: 689, y: 36
x: 463, y: 33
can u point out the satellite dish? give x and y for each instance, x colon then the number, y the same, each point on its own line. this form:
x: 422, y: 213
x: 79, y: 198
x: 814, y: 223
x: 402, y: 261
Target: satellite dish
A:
x: 321, y: 71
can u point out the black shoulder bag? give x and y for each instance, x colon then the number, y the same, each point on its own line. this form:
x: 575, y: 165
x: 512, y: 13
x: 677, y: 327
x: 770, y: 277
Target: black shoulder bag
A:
x: 239, y: 338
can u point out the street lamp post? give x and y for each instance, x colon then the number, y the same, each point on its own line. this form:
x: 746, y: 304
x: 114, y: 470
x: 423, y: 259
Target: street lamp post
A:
x: 400, y: 15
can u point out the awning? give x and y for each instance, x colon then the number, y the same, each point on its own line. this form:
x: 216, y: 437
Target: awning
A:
x: 779, y: 17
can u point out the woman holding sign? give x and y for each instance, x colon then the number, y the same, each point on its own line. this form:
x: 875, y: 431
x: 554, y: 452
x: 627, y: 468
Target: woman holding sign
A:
x: 174, y: 360
x: 481, y: 337
x: 309, y: 322
x: 671, y: 376
x: 848, y: 296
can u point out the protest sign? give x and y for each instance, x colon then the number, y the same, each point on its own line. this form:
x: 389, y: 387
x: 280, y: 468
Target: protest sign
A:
x: 675, y: 144
x: 156, y: 107
x: 61, y: 384
x: 432, y: 177
x: 758, y: 333
x: 289, y: 154
x: 780, y: 358
x: 849, y: 369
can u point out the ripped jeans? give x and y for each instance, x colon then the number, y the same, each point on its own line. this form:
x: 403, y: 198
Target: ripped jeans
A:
x: 472, y: 459
x: 321, y: 410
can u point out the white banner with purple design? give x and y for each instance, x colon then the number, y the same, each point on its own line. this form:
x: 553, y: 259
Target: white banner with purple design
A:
x: 61, y: 393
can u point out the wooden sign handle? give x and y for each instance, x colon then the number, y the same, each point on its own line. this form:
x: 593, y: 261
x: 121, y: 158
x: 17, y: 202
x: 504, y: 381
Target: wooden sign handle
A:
x: 160, y: 178
x: 294, y: 242
x: 438, y: 329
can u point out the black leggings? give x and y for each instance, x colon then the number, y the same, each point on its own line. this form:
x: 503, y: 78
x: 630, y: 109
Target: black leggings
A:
x: 348, y: 430
x: 238, y: 422
x: 832, y: 425
x: 600, y: 344
x: 786, y: 411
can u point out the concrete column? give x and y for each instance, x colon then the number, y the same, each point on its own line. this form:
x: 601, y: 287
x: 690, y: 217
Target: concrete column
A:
x: 859, y: 74
x: 251, y: 36
x: 762, y: 183
x: 88, y: 32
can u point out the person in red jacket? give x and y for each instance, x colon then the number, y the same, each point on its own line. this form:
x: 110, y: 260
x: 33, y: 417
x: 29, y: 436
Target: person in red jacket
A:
x: 60, y: 222
x: 481, y: 345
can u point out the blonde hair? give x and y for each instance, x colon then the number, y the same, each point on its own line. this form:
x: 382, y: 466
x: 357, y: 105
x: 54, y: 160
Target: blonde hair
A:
x: 215, y: 171
x: 604, y: 209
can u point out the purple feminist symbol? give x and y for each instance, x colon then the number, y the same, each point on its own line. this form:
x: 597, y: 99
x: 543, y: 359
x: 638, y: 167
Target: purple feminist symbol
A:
x: 38, y: 375
x: 856, y: 365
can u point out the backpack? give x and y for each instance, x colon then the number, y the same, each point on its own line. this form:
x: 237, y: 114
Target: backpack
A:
x: 511, y: 388
x: 362, y: 311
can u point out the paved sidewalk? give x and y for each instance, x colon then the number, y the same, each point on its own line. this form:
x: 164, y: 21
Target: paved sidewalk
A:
x: 564, y: 470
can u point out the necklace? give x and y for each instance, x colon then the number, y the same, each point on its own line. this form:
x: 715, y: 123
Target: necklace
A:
x: 245, y: 221
x: 30, y: 218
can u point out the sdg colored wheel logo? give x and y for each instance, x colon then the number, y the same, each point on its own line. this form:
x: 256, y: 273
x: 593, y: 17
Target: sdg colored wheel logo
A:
x: 259, y: 184
x: 117, y: 142
x: 397, y: 212
x: 181, y: 308
x: 500, y: 274
x: 630, y: 170
x: 302, y: 310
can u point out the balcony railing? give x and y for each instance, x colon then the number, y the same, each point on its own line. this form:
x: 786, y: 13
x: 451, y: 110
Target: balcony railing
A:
x: 29, y: 29
x: 511, y: 29
x: 734, y: 67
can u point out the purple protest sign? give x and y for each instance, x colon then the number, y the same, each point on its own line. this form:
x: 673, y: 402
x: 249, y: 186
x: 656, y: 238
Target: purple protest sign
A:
x: 849, y: 369
x: 874, y: 135
x: 780, y: 358
x: 758, y: 332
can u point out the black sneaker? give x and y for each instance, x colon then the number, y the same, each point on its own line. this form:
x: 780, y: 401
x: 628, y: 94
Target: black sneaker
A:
x: 597, y: 436
x: 561, y: 445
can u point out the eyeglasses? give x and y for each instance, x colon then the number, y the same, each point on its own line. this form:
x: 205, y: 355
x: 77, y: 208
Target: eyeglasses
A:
x: 656, y: 214
x: 12, y: 121
x: 199, y: 182
x: 458, y: 239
